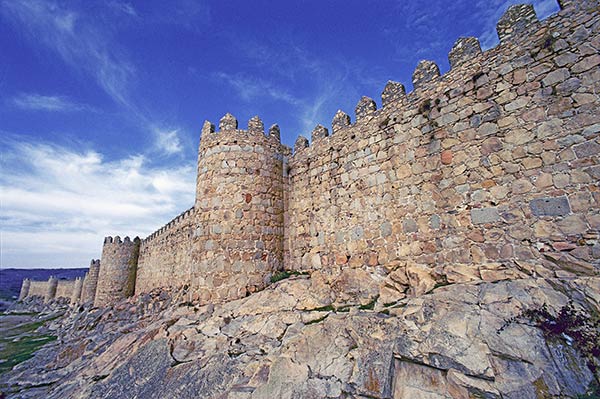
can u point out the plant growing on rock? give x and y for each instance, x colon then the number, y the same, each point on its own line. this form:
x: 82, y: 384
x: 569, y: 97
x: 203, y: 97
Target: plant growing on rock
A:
x: 571, y: 325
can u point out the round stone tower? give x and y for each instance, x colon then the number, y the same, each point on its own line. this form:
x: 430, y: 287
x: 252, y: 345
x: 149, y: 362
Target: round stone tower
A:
x: 77, y: 288
x: 24, y: 289
x: 238, y: 237
x: 90, y: 281
x: 51, y: 289
x: 116, y: 279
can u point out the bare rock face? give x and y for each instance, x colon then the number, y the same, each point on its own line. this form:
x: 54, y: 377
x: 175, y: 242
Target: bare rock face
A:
x: 296, y: 339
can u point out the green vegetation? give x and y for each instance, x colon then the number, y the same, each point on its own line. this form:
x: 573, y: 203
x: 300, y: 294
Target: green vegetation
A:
x: 320, y: 319
x: 327, y: 308
x: 370, y: 305
x: 282, y: 275
x: 20, y: 341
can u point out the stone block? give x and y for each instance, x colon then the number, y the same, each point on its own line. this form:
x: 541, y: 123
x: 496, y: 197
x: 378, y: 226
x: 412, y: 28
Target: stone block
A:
x: 588, y: 149
x: 340, y: 120
x: 484, y: 215
x: 301, y: 143
x: 256, y: 125
x: 228, y: 122
x: 364, y: 107
x: 550, y: 206
x: 319, y: 132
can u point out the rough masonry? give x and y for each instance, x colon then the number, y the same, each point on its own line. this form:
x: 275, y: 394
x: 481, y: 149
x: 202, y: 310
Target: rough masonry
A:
x: 483, y: 172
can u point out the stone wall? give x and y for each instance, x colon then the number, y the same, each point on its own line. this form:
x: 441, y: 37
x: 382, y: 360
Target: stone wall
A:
x: 70, y: 291
x: 483, y: 173
x: 64, y: 289
x: 116, y: 279
x: 493, y: 164
x: 166, y: 256
x: 37, y: 289
x: 90, y: 282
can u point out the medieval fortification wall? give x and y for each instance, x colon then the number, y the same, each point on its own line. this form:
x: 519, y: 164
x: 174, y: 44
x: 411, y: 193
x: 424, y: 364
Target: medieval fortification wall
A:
x: 493, y: 162
x: 167, y: 252
x: 481, y: 173
x: 71, y: 291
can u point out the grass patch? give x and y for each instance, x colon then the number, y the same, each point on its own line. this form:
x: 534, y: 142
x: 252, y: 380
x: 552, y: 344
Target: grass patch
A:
x: 370, y: 305
x: 282, y: 275
x: 21, y: 350
x: 315, y: 321
x: 328, y: 308
x: 19, y: 342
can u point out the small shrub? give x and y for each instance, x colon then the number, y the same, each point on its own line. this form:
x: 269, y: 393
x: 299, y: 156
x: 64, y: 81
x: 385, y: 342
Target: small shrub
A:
x: 571, y: 325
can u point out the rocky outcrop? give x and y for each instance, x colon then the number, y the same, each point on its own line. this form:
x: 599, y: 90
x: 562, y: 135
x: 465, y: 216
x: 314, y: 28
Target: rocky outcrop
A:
x: 299, y: 339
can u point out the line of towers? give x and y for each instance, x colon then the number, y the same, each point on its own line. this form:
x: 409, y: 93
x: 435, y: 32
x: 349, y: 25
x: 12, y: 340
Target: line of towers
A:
x: 79, y: 291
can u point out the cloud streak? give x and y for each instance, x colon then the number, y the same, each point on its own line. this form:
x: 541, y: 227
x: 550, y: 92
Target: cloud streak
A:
x: 167, y: 141
x: 79, y: 43
x: 334, y: 82
x: 123, y: 7
x: 58, y: 203
x: 251, y: 87
x: 39, y: 102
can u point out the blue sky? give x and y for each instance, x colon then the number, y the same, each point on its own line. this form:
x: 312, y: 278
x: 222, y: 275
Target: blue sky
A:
x: 101, y: 102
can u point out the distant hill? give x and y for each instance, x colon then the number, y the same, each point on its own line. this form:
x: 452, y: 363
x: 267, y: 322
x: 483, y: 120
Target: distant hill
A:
x: 10, y: 279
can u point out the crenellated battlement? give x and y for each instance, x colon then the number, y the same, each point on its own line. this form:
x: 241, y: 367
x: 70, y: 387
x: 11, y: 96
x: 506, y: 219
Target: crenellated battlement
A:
x: 230, y: 138
x: 116, y: 240
x: 466, y: 59
x: 183, y: 217
x: 462, y: 152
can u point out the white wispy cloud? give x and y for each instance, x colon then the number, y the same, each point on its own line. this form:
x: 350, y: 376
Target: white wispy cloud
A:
x: 78, y: 40
x: 252, y: 87
x: 58, y: 202
x: 39, y: 102
x: 123, y: 7
x: 334, y: 83
x: 167, y: 141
